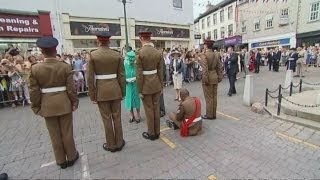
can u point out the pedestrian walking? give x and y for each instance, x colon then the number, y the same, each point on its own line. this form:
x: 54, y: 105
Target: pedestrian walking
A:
x: 177, y: 66
x: 106, y: 81
x: 54, y: 97
x: 212, y: 75
x: 150, y: 81
x: 231, y: 66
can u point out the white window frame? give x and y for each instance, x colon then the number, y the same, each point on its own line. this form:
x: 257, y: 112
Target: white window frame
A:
x: 284, y: 13
x: 222, y: 32
x: 269, y: 21
x: 221, y: 16
x: 230, y: 13
x: 214, y: 19
x: 316, y: 13
x: 203, y: 24
x: 243, y: 26
x: 215, y: 34
x: 256, y: 23
x: 177, y: 4
x: 230, y: 30
x: 208, y: 21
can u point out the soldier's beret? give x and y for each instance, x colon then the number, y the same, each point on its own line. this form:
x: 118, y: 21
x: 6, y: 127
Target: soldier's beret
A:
x: 103, y: 36
x: 47, y: 42
x: 145, y: 34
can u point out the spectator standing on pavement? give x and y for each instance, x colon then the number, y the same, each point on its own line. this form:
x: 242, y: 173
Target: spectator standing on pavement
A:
x: 301, y: 62
x: 212, y: 75
x: 276, y: 60
x: 293, y: 58
x: 54, y: 97
x: 246, y: 61
x: 258, y: 61
x: 150, y: 83
x: 270, y: 57
x: 132, y: 99
x: 167, y: 60
x: 177, y: 67
x: 106, y: 81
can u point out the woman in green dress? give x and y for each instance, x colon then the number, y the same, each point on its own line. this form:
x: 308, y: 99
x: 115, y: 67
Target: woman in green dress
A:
x: 132, y: 99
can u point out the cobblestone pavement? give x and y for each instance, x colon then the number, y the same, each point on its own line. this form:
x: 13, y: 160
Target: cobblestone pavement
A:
x: 239, y: 144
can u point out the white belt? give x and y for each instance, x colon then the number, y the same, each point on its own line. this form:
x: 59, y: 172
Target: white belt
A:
x: 53, y: 89
x: 109, y: 76
x: 131, y: 79
x: 150, y: 72
x: 195, y: 120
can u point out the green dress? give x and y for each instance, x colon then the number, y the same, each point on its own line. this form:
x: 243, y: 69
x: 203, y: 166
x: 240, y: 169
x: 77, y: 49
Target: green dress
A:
x: 132, y: 99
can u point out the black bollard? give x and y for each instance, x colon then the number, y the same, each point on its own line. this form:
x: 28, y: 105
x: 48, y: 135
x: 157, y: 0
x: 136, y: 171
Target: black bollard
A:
x: 267, y: 93
x: 279, y: 104
x: 291, y: 86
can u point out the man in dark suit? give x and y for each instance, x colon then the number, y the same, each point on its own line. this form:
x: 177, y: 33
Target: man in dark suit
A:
x: 293, y: 58
x: 276, y: 60
x: 231, y: 67
x: 270, y: 59
x: 258, y: 61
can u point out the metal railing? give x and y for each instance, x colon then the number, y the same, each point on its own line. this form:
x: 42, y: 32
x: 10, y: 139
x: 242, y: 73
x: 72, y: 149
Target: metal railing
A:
x: 280, y: 96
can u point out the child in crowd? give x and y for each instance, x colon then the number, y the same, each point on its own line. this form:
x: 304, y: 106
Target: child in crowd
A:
x: 79, y: 81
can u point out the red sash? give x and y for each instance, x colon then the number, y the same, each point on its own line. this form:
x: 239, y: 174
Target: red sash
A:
x: 185, y: 125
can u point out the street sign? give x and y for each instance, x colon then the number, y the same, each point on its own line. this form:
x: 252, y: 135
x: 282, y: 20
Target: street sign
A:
x: 197, y: 36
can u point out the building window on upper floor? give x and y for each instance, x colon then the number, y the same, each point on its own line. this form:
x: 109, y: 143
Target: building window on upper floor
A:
x: 221, y: 16
x: 203, y: 24
x: 177, y: 4
x: 230, y: 30
x: 230, y: 12
x: 214, y: 19
x: 284, y: 13
x: 256, y: 24
x: 315, y: 11
x: 269, y: 21
x: 209, y: 35
x: 215, y: 34
x: 222, y: 32
x: 243, y: 27
x: 208, y: 21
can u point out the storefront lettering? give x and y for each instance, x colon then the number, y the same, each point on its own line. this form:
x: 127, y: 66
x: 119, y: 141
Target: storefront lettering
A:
x: 19, y: 25
x: 91, y: 28
x: 163, y: 32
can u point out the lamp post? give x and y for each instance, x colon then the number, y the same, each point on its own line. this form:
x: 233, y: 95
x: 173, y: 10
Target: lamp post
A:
x: 125, y: 21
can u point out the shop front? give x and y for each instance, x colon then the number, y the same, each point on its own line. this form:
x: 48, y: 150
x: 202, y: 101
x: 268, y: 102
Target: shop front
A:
x: 308, y: 39
x: 218, y: 45
x: 284, y: 41
x: 165, y: 37
x: 80, y: 33
x: 235, y: 41
x: 22, y: 29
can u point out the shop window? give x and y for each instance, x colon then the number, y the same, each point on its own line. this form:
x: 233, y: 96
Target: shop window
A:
x: 256, y: 24
x: 269, y: 21
x: 177, y: 4
x: 314, y: 11
x: 208, y: 21
x: 230, y: 30
x: 203, y: 24
x: 92, y: 43
x: 222, y: 32
x: 221, y: 16
x: 215, y: 34
x: 230, y: 12
x: 215, y: 19
x: 243, y: 27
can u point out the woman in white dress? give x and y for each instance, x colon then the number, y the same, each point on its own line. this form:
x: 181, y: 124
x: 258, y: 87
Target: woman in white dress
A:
x: 177, y: 69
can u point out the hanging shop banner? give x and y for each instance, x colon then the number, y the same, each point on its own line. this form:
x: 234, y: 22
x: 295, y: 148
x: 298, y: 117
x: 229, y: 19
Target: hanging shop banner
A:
x: 13, y: 25
x: 164, y: 31
x: 88, y: 28
x: 271, y: 43
x: 233, y: 41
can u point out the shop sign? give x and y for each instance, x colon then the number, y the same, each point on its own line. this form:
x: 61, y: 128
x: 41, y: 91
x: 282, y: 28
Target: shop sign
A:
x: 233, y: 41
x: 271, y: 43
x: 164, y: 31
x: 12, y: 25
x: 88, y: 28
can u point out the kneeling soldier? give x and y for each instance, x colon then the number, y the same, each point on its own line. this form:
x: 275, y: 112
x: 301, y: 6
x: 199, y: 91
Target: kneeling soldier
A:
x: 188, y: 117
